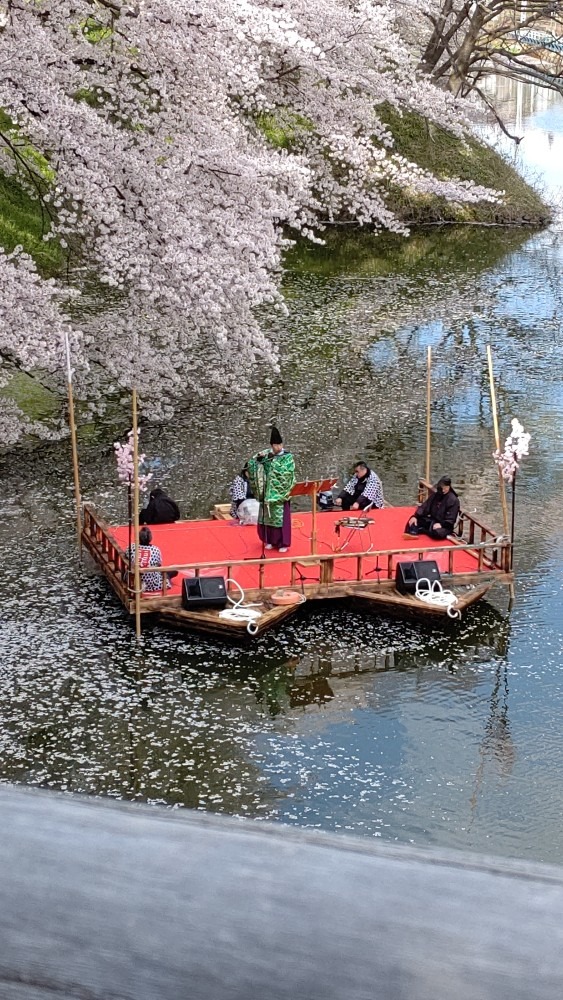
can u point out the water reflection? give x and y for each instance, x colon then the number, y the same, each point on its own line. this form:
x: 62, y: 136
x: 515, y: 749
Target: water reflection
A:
x: 534, y: 115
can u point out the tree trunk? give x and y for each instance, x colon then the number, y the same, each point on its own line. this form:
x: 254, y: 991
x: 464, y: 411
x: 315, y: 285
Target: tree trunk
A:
x: 436, y: 44
x: 461, y: 60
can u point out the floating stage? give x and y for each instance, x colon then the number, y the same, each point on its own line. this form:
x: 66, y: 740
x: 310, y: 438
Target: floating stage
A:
x: 357, y: 565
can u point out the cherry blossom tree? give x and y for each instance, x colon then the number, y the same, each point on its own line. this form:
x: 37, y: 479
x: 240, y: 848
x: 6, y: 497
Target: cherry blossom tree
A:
x: 142, y: 131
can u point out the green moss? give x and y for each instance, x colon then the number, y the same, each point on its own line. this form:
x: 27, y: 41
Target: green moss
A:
x: 95, y: 31
x: 283, y: 128
x: 33, y: 398
x: 448, y: 156
x: 21, y: 224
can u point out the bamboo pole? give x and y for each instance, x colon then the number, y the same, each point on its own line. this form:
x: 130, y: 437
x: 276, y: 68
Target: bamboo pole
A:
x: 74, y: 446
x: 314, y: 519
x: 512, y: 521
x: 502, y: 489
x: 428, y: 400
x: 137, y: 575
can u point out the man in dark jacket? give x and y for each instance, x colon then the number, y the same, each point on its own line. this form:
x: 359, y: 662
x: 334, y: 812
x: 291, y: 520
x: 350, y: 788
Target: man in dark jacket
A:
x: 161, y: 509
x: 437, y: 516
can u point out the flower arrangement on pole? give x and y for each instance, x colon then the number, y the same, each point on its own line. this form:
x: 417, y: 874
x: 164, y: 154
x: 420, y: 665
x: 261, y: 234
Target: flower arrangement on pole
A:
x: 516, y: 447
x: 126, y: 472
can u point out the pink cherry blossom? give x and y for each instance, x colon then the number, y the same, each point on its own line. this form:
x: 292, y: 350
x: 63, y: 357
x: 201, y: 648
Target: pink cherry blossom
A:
x: 125, y: 464
x: 516, y: 447
x: 159, y: 180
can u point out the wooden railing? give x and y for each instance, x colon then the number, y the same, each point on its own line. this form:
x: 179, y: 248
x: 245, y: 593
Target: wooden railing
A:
x: 96, y: 534
x: 491, y: 558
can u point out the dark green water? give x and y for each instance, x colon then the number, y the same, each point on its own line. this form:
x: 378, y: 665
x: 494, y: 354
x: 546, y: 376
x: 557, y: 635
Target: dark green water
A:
x: 449, y: 737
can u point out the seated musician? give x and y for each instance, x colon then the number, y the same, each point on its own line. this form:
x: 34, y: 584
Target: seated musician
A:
x: 363, y: 490
x: 161, y: 509
x: 240, y: 491
x: 438, y: 514
x: 149, y: 555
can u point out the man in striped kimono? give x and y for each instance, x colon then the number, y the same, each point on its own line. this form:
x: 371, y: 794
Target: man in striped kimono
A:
x: 363, y: 490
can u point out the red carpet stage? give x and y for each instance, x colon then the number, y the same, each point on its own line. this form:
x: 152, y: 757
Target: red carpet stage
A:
x: 227, y: 541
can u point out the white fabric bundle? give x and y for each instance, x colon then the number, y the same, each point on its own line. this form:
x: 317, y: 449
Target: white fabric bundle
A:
x: 248, y: 512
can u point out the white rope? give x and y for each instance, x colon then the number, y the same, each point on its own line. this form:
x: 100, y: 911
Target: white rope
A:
x: 241, y: 612
x: 434, y: 593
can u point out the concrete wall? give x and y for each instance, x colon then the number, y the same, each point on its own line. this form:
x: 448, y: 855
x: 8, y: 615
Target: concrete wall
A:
x: 100, y: 901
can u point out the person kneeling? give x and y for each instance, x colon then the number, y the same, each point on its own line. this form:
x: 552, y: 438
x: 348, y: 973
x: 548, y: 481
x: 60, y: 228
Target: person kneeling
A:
x: 363, y: 490
x: 436, y: 517
x: 161, y: 509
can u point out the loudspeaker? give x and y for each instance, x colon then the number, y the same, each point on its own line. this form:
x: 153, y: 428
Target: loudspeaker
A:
x: 204, y: 592
x: 408, y: 573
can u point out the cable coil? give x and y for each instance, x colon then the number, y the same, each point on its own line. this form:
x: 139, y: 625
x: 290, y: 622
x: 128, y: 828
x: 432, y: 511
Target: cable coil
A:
x: 241, y: 612
x: 434, y: 594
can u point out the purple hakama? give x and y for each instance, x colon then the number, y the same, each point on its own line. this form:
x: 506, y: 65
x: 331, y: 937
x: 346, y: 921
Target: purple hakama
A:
x: 280, y: 538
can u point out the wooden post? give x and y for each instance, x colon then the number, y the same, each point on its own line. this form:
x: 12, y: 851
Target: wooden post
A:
x: 502, y: 489
x: 137, y: 576
x: 72, y: 425
x: 428, y: 400
x: 314, y: 519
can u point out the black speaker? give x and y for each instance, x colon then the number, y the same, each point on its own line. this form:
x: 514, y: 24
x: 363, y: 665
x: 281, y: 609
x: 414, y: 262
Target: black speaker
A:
x: 325, y: 500
x: 204, y: 592
x: 408, y: 573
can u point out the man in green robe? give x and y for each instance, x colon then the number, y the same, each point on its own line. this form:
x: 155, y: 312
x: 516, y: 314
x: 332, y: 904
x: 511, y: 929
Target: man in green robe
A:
x: 272, y: 477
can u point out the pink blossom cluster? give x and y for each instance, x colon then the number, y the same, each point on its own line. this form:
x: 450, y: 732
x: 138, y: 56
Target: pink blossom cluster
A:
x: 148, y: 123
x: 125, y: 464
x: 516, y: 447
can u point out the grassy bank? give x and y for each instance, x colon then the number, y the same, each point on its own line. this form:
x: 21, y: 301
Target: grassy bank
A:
x: 445, y: 155
x: 21, y: 224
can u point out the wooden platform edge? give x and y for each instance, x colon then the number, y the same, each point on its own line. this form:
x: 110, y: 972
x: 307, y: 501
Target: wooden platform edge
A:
x: 394, y: 601
x: 221, y: 512
x: 381, y: 593
x: 208, y: 621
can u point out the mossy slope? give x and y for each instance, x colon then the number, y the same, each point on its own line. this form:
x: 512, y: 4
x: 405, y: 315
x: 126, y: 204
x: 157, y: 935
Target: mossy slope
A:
x: 445, y: 155
x: 21, y: 224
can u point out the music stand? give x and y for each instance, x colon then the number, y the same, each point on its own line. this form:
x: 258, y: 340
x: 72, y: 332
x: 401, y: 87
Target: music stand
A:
x: 310, y: 487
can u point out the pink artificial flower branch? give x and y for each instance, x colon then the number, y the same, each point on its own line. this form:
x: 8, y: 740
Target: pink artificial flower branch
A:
x: 516, y: 447
x: 125, y: 464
